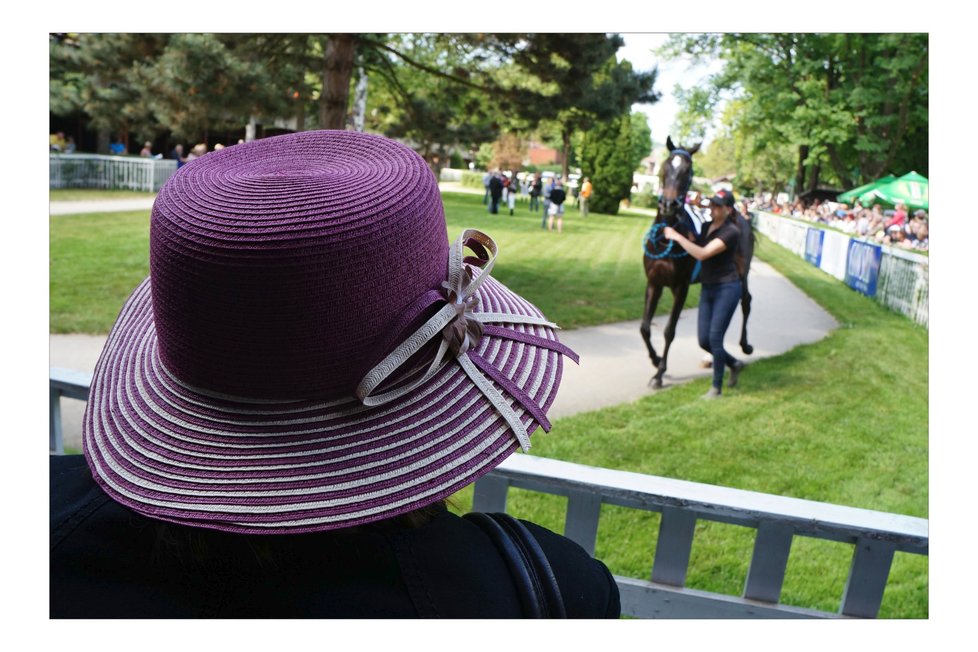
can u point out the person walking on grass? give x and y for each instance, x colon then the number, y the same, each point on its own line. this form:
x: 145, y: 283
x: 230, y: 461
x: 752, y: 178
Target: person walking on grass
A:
x: 720, y: 273
x: 557, y: 197
x: 513, y: 189
x: 536, y: 189
x: 547, y: 189
x: 495, y: 191
x: 584, y: 196
x: 486, y: 178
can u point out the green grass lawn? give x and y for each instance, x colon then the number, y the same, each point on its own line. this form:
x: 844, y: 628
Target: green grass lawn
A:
x: 95, y: 194
x: 843, y: 420
x: 97, y: 260
x: 589, y: 274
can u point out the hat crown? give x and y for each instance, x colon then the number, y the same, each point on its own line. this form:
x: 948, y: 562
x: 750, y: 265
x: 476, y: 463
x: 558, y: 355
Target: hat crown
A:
x: 278, y: 266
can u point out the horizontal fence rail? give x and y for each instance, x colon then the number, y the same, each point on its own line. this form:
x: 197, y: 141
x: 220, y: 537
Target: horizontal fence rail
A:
x: 109, y: 172
x: 65, y: 383
x: 875, y: 536
x: 901, y: 281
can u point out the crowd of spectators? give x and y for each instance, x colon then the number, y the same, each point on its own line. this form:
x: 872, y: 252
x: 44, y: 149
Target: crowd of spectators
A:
x: 896, y: 227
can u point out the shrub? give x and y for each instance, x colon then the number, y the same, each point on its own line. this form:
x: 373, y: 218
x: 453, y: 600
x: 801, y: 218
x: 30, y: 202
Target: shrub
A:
x: 645, y: 199
x: 472, y: 179
x: 606, y: 160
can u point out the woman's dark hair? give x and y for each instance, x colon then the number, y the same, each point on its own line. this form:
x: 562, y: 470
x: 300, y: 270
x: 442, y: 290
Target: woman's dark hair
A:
x: 200, y: 547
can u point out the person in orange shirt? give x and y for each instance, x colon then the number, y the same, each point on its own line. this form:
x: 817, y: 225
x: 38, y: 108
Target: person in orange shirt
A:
x: 585, y: 195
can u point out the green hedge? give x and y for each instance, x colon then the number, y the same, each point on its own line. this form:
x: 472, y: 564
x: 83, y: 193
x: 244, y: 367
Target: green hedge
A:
x: 472, y: 179
x: 645, y: 199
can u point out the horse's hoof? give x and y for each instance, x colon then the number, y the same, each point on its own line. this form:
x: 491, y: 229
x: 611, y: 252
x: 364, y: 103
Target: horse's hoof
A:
x: 656, y: 361
x: 747, y: 348
x: 655, y: 383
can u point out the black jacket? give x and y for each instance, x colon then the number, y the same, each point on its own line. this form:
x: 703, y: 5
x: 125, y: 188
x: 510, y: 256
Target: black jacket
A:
x: 496, y: 187
x: 110, y: 562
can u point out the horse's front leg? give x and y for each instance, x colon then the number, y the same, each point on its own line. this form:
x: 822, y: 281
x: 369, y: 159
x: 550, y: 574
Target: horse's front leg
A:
x: 678, y: 301
x: 745, y: 299
x: 652, y: 295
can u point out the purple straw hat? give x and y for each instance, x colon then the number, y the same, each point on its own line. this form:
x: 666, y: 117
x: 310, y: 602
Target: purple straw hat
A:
x: 309, y: 351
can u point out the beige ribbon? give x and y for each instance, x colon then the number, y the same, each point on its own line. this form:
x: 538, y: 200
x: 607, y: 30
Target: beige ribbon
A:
x: 460, y: 329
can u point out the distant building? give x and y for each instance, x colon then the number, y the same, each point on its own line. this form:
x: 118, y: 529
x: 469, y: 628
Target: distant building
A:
x: 539, y: 154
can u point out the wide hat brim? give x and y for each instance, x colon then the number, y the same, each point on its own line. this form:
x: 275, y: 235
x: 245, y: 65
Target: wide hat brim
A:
x: 186, y: 455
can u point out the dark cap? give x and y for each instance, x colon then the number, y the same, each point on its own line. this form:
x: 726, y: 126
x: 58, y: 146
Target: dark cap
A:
x: 723, y: 198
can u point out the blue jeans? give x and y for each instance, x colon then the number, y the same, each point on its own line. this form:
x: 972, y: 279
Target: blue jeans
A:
x: 717, y: 305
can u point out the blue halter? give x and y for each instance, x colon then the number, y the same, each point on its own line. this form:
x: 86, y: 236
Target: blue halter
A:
x: 651, y: 236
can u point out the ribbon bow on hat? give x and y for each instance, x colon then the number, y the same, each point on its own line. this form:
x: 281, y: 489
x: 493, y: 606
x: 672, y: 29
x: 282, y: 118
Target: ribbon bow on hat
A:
x: 461, y: 329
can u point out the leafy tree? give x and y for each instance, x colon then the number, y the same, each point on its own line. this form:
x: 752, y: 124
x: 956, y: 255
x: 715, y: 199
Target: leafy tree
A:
x: 483, y: 158
x: 508, y: 152
x: 852, y: 106
x: 641, y: 138
x: 199, y: 84
x: 696, y: 116
x: 92, y: 74
x: 581, y: 83
x: 435, y: 113
x: 609, y: 157
x: 718, y: 158
x: 150, y: 84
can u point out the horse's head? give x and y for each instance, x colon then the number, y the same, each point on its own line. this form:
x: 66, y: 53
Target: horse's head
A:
x: 675, y: 177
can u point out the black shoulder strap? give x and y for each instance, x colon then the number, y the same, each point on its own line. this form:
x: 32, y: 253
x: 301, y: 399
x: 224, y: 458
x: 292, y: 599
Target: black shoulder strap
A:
x: 528, y: 566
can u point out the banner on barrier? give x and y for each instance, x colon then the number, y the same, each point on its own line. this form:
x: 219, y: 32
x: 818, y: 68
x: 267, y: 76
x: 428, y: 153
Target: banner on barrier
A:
x: 863, y: 266
x: 813, y: 246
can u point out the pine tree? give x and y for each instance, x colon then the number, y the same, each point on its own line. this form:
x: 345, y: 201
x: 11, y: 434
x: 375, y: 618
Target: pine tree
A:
x: 607, y: 157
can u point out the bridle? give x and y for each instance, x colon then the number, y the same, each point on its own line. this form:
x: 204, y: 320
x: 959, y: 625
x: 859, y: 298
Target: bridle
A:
x: 668, y: 207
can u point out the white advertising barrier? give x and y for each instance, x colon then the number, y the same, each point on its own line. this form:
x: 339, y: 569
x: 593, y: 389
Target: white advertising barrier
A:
x: 835, y: 248
x: 896, y: 278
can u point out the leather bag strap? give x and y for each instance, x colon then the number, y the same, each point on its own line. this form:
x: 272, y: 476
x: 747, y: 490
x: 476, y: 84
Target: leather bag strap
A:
x: 535, y: 581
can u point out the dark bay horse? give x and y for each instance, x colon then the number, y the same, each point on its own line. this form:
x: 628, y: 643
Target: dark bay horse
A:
x: 668, y: 266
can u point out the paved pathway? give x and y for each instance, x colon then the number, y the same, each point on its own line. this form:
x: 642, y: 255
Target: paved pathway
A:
x: 104, y: 206
x: 614, y: 368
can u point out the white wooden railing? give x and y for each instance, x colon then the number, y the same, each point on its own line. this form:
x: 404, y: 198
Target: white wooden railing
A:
x: 100, y: 171
x: 875, y: 536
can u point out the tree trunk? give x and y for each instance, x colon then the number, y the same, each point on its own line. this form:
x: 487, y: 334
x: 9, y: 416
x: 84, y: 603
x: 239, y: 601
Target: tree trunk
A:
x: 813, y: 178
x: 839, y: 167
x: 800, y: 175
x: 565, y: 135
x: 102, y: 140
x: 300, y: 116
x: 338, y: 60
x: 360, y: 101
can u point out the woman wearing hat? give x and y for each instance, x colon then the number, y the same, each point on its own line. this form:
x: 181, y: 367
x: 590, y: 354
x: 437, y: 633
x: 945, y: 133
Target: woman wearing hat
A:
x: 720, y: 275
x: 284, y: 405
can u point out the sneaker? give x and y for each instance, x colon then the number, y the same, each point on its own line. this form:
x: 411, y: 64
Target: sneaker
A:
x: 735, y: 372
x: 712, y: 394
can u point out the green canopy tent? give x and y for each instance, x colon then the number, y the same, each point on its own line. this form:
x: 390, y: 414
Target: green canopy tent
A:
x: 849, y: 196
x: 911, y: 189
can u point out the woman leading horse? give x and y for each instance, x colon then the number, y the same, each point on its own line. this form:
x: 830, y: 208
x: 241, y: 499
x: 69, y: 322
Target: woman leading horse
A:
x: 723, y: 267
